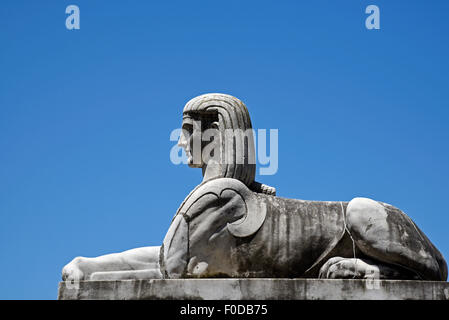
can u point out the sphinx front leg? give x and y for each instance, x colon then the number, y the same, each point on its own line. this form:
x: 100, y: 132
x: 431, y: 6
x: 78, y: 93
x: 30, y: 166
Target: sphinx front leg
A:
x: 139, y: 263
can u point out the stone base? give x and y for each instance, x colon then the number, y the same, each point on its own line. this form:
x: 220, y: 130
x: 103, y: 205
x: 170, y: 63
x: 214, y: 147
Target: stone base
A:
x: 254, y: 289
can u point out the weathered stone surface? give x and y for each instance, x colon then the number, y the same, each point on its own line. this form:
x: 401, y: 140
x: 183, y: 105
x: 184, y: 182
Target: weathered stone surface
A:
x: 256, y: 289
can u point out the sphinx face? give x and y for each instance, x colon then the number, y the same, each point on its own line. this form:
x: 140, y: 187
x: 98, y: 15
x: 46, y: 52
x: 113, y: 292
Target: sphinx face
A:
x: 190, y: 141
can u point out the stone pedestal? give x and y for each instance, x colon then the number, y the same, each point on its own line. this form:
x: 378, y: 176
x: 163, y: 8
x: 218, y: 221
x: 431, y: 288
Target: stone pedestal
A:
x: 255, y: 289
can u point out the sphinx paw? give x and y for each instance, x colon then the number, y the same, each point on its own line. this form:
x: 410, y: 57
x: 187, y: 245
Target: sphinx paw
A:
x: 72, y: 272
x: 348, y: 268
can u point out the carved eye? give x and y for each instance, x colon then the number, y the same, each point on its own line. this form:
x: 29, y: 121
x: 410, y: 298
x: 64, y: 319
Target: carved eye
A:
x: 188, y: 128
x: 187, y: 131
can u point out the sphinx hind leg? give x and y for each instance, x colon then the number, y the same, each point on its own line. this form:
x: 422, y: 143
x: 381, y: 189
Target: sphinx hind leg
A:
x: 385, y: 234
x: 361, y: 268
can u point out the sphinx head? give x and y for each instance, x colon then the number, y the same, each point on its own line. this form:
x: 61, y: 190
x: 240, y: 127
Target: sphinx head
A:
x: 217, y: 136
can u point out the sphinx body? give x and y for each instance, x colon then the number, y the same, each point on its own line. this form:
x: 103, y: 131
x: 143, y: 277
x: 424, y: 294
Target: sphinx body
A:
x: 223, y: 229
x: 216, y: 233
x: 232, y: 226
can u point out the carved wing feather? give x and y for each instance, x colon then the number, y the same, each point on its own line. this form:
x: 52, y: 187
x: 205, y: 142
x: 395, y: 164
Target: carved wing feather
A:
x: 255, y: 208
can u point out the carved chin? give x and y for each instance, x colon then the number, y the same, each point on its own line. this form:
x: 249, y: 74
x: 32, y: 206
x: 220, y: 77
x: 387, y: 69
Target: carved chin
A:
x: 193, y: 165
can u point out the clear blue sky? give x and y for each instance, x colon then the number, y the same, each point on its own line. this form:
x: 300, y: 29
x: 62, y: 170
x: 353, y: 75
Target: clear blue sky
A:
x: 85, y: 115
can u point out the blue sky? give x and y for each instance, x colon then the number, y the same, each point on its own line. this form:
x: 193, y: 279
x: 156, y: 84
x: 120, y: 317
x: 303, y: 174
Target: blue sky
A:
x: 86, y: 115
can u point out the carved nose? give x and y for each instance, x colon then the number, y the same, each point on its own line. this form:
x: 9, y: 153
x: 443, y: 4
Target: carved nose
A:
x: 181, y: 141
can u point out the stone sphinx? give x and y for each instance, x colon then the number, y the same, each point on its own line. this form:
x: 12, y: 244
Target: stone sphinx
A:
x: 232, y: 226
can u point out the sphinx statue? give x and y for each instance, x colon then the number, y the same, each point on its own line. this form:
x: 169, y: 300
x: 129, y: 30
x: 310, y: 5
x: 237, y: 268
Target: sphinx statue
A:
x: 232, y: 226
